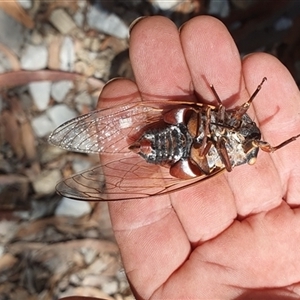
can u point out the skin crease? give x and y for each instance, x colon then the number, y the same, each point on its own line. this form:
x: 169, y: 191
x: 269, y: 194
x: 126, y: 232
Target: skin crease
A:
x: 236, y: 235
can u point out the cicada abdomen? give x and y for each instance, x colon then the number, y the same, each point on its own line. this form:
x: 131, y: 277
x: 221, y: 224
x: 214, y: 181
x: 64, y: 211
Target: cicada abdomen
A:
x: 155, y: 149
x: 197, y: 140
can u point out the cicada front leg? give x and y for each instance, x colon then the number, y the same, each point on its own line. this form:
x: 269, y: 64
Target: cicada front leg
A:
x: 265, y: 146
x: 220, y: 108
x: 244, y: 108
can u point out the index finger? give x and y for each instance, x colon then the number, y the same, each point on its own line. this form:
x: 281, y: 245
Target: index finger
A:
x: 147, y: 229
x: 158, y: 61
x: 213, y: 59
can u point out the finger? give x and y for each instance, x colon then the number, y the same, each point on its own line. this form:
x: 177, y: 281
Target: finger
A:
x: 278, y: 114
x: 277, y: 106
x: 145, y: 229
x: 212, y: 58
x: 251, y: 185
x: 158, y: 62
x: 208, y: 208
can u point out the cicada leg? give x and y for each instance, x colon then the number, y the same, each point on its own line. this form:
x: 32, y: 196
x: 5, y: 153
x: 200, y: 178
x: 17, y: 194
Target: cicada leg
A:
x: 220, y: 145
x: 243, y: 108
x: 221, y: 108
x: 203, y: 149
x: 198, y: 156
x: 268, y: 148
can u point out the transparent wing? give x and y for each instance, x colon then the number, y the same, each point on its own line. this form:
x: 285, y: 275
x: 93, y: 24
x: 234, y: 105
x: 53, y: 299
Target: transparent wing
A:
x: 123, y: 178
x: 105, y: 131
x: 123, y: 175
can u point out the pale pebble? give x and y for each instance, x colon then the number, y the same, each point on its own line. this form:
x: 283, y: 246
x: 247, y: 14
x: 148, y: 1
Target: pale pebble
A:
x: 42, y: 125
x: 34, y: 57
x: 60, y: 89
x: 40, y: 93
x: 60, y: 113
x: 69, y: 207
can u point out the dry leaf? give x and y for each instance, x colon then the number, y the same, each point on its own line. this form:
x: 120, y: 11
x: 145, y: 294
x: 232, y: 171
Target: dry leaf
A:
x: 16, y: 11
x: 12, y: 132
x: 12, y: 58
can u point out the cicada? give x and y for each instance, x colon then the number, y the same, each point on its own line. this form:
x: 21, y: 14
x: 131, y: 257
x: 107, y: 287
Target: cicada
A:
x: 152, y: 148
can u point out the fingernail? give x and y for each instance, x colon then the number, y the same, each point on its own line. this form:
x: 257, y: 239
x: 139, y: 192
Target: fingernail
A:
x: 133, y: 23
x: 180, y: 28
x: 112, y: 79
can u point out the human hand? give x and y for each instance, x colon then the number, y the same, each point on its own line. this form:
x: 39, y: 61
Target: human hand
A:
x: 234, y: 236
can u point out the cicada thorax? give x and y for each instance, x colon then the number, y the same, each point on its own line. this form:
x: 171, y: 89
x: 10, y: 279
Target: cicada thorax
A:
x: 197, y: 140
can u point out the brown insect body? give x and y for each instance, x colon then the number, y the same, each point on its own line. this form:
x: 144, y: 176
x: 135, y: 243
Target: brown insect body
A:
x: 154, y: 148
x: 193, y: 144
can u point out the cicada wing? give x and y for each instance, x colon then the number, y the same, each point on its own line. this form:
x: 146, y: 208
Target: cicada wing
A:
x: 105, y: 131
x: 125, y: 178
